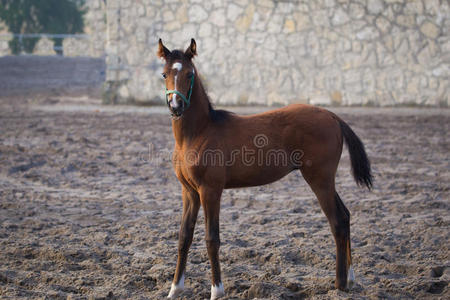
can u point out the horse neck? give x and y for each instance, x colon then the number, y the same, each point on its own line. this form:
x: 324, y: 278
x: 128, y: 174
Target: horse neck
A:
x: 195, y: 118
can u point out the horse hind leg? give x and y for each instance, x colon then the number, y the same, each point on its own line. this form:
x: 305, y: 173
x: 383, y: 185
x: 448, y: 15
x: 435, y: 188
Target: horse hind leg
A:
x: 351, y: 274
x: 339, y: 219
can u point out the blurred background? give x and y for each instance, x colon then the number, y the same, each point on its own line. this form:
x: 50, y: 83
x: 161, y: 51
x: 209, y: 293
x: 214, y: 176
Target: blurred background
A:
x: 326, y: 52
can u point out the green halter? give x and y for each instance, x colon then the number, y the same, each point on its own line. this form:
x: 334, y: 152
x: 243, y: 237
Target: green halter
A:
x: 186, y: 100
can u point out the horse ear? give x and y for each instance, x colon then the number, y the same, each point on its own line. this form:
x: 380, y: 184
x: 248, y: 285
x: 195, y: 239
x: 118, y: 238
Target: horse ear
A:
x: 163, y: 52
x: 191, y: 51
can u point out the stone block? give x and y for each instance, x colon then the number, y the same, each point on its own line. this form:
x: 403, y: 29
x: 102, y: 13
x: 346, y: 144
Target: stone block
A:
x: 188, y: 31
x: 368, y: 81
x: 340, y: 17
x: 336, y: 98
x: 320, y: 99
x: 356, y: 10
x: 289, y: 26
x: 312, y: 44
x: 406, y: 21
x: 429, y: 29
x: 375, y: 7
x: 182, y: 14
x: 394, y: 79
x: 266, y: 3
x: 275, y: 24
x: 383, y: 24
x: 367, y: 33
x: 426, y: 57
x: 320, y: 18
x: 352, y: 78
x: 327, y: 56
x: 444, y: 44
x: 413, y: 8
x: 197, y: 13
x: 294, y: 40
x: 218, y: 17
x: 302, y: 20
x: 432, y: 7
x: 243, y: 23
x: 333, y: 80
x: 442, y: 70
x: 233, y: 11
x: 205, y: 30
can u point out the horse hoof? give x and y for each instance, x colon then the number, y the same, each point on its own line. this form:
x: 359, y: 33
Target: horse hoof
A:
x: 175, y: 291
x: 217, y: 291
x: 350, y: 278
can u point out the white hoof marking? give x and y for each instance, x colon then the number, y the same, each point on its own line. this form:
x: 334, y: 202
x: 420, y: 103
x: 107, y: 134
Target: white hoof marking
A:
x: 217, y: 291
x: 176, y: 289
x: 350, y: 278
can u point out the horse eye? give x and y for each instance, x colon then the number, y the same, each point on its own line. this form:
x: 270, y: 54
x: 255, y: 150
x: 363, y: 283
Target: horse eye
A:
x: 191, y: 74
x: 164, y: 75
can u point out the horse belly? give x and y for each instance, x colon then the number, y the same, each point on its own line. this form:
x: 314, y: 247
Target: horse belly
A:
x: 254, y: 175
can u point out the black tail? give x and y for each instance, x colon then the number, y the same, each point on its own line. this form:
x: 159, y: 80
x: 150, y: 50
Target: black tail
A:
x: 358, y: 157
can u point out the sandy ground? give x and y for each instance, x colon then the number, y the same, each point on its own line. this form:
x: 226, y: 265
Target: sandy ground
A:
x: 90, y: 208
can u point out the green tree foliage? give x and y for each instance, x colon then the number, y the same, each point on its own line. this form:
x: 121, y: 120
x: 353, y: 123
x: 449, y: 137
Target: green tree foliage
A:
x: 42, y: 16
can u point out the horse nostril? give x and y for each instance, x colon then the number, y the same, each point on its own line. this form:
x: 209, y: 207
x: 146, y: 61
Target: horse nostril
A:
x: 175, y: 104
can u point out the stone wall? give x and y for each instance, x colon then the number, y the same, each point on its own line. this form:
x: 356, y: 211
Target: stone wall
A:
x: 357, y: 52
x: 95, y: 21
x: 94, y: 45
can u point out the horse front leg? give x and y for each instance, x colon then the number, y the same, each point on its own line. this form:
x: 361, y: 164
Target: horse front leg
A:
x: 191, y: 205
x: 210, y: 199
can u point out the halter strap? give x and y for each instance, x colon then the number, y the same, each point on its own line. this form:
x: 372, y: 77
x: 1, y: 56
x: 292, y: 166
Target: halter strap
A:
x: 186, y: 100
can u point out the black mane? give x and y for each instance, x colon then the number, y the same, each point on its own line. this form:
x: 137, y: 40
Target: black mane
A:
x: 218, y: 115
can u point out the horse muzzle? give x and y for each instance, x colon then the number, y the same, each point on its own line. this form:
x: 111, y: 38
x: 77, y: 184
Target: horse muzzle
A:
x: 178, y: 103
x: 176, y: 107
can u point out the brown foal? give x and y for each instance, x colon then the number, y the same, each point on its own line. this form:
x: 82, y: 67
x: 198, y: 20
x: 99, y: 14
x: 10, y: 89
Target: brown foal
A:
x: 216, y: 150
